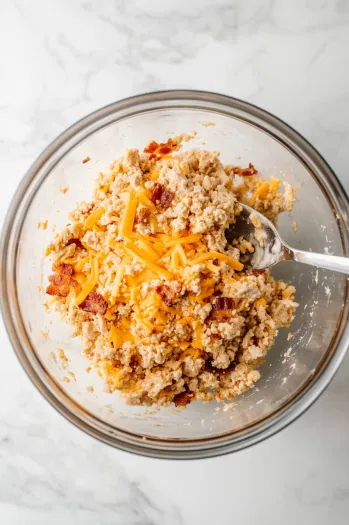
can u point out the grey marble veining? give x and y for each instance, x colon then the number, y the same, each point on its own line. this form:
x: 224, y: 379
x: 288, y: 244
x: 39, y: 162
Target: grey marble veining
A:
x: 61, y: 59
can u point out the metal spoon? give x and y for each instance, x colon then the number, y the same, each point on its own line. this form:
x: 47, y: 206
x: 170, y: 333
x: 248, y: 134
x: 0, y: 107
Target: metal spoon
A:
x: 271, y: 249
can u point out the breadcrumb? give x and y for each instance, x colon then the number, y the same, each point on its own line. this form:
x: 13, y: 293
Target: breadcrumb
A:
x: 42, y: 225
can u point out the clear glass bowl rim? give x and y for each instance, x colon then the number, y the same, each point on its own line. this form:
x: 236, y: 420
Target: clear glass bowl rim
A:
x: 170, y: 449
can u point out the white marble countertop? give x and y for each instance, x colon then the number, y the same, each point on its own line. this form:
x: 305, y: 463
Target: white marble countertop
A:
x: 61, y: 59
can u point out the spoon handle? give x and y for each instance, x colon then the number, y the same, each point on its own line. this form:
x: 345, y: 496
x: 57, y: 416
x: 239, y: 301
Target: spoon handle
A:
x: 329, y: 262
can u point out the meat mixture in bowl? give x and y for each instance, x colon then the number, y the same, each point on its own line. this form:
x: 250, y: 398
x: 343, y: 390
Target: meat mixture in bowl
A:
x: 164, y: 306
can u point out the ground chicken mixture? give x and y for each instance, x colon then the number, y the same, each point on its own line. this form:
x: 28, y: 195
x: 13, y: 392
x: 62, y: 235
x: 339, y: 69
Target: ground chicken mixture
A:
x: 164, y: 306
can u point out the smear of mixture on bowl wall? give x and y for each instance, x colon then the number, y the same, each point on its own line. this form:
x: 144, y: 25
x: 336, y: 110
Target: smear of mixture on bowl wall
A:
x: 165, y: 308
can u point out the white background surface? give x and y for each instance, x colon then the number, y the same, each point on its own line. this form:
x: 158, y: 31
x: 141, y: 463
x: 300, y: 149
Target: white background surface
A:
x: 62, y: 59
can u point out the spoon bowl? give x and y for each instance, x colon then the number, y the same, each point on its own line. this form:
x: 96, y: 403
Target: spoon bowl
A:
x: 270, y: 248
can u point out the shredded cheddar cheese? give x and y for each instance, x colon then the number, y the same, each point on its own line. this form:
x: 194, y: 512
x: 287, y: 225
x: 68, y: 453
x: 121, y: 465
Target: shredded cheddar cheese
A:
x: 228, y: 279
x: 129, y: 216
x: 181, y: 254
x: 90, y: 283
x: 144, y: 199
x: 148, y: 249
x: 260, y: 302
x: 80, y: 277
x: 142, y: 257
x: 115, y: 337
x: 174, y: 261
x: 163, y: 237
x: 167, y: 254
x: 197, y: 343
x: 260, y: 193
x: 233, y: 263
x: 147, y: 324
x: 78, y: 266
x: 212, y: 267
x: 94, y: 216
x: 153, y: 223
x: 183, y: 240
x: 184, y: 345
x: 117, y: 281
x: 274, y: 184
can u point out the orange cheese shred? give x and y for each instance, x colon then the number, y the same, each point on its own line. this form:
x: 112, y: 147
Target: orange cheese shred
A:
x: 129, y: 216
x: 94, y: 216
x: 90, y: 283
x: 233, y: 263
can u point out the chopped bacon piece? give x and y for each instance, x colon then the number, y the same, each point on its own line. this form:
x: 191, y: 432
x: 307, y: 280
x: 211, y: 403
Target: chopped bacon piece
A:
x: 60, y: 285
x: 166, y: 199
x: 63, y: 268
x: 142, y: 216
x: 222, y: 309
x: 184, y: 398
x: 245, y: 172
x: 134, y: 363
x: 169, y: 292
x: 61, y: 281
x: 164, y: 150
x: 222, y: 316
x: 258, y: 272
x: 151, y: 148
x: 94, y: 303
x: 161, y: 196
x: 216, y: 336
x: 223, y: 303
x: 213, y: 369
x: 156, y: 151
x: 77, y: 243
x: 156, y: 193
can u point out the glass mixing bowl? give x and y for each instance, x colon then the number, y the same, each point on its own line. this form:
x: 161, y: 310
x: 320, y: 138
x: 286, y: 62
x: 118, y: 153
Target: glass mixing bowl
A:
x: 303, y: 359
